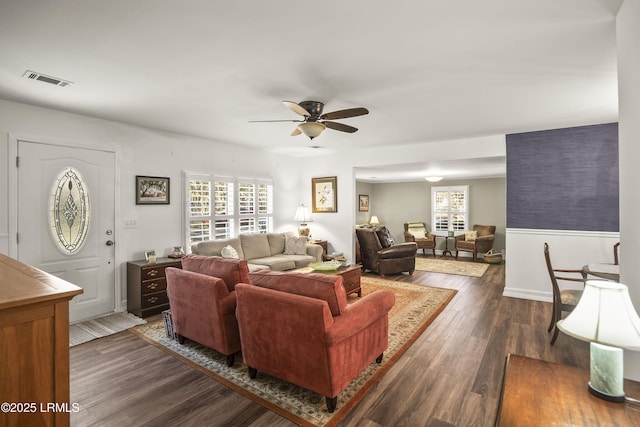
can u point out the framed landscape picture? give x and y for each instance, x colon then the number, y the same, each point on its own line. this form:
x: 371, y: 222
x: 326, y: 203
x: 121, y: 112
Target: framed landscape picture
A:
x: 324, y: 194
x: 152, y: 190
x: 363, y: 203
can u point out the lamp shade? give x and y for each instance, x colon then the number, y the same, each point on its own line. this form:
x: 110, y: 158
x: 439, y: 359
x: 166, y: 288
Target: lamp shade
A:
x: 302, y: 214
x: 311, y: 129
x: 374, y: 220
x: 604, y: 315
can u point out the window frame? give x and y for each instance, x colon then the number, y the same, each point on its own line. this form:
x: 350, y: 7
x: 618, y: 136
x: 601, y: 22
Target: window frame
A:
x: 249, y: 209
x: 435, y: 214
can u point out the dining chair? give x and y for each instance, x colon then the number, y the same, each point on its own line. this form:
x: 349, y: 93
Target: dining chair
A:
x: 563, y: 299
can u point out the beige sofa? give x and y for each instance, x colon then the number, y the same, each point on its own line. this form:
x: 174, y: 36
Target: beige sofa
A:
x: 275, y: 251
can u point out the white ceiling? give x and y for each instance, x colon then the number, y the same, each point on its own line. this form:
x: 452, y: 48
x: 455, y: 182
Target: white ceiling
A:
x: 427, y: 70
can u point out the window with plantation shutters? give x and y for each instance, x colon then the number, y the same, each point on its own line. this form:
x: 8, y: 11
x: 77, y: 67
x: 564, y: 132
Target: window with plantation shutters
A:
x: 449, y: 207
x: 221, y: 207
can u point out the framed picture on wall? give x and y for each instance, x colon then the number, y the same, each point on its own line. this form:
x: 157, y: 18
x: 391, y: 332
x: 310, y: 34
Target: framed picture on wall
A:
x: 324, y: 194
x: 363, y: 203
x: 152, y: 190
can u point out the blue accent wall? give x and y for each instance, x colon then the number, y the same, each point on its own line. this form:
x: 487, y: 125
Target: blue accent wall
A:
x: 564, y: 179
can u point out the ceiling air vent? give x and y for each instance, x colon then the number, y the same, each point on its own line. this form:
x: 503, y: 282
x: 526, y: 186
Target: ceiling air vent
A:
x: 47, y: 79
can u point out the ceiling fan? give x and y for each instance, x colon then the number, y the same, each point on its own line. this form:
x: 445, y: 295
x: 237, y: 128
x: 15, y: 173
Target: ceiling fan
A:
x: 314, y: 121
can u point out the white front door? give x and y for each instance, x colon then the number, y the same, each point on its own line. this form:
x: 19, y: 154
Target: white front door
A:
x: 66, y: 217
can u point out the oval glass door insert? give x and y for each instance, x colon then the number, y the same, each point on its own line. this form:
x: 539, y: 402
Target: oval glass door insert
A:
x: 69, y: 211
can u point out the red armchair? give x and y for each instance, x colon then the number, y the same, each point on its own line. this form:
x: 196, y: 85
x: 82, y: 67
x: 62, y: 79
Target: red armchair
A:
x: 299, y: 328
x: 202, y: 298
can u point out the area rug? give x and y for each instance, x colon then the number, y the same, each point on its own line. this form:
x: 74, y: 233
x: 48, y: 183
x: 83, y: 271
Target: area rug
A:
x: 101, y: 327
x: 463, y: 268
x: 415, y: 308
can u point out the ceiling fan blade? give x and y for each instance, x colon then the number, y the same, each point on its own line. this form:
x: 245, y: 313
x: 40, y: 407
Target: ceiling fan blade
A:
x: 296, y: 132
x: 343, y: 114
x: 340, y: 126
x: 293, y: 106
x: 271, y: 121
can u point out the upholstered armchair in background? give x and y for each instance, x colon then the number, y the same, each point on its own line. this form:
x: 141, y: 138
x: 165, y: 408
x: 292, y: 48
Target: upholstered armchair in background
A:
x: 299, y: 328
x: 202, y: 299
x: 479, y: 240
x: 380, y: 255
x: 417, y: 232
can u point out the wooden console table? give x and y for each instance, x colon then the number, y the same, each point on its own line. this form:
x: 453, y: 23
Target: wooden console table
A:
x: 34, y: 346
x: 539, y: 393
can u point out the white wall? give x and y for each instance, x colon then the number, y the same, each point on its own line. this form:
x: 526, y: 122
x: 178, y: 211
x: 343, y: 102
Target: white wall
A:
x: 338, y: 228
x: 141, y: 151
x: 526, y: 271
x: 628, y: 37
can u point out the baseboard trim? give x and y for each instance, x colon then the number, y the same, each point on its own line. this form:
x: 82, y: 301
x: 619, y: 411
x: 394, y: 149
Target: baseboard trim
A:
x: 527, y: 294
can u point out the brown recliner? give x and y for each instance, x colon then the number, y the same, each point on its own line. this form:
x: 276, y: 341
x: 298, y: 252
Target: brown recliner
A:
x: 299, y: 328
x: 202, y: 298
x: 417, y: 232
x: 481, y: 244
x: 380, y: 255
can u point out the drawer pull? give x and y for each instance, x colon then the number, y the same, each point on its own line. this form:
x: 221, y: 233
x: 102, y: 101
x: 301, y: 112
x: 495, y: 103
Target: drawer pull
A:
x: 153, y: 300
x: 152, y: 286
x: 153, y: 273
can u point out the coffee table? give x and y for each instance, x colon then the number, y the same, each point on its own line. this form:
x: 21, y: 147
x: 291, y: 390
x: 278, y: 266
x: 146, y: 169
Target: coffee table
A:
x: 350, y: 276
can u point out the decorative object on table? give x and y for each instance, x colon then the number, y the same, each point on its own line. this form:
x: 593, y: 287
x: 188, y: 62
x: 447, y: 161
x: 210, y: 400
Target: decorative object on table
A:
x: 326, y: 265
x: 563, y: 299
x: 152, y: 190
x: 363, y: 203
x: 492, y: 257
x: 314, y: 121
x: 303, y: 217
x: 606, y: 318
x: 324, y: 194
x: 150, y: 256
x: 416, y: 307
x: 374, y: 221
x: 177, y: 252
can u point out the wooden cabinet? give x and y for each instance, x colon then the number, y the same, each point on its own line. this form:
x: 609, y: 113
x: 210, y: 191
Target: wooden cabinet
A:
x: 147, y: 286
x: 34, y: 346
x: 351, y: 278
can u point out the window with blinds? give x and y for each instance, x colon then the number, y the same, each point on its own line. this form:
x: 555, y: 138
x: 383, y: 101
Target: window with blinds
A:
x: 449, y: 207
x: 223, y: 207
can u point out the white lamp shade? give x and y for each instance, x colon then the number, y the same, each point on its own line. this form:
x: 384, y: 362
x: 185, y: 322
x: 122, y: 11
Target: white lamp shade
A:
x: 311, y: 129
x: 374, y: 220
x: 604, y: 315
x: 302, y: 214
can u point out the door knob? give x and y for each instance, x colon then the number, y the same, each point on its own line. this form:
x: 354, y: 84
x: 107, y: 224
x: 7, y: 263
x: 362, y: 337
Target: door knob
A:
x: 109, y: 242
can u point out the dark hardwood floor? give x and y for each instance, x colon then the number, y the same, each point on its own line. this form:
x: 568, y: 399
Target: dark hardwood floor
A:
x: 451, y: 376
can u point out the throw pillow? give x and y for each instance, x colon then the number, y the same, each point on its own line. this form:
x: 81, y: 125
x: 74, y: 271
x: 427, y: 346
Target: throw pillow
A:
x: 295, y: 245
x: 384, y: 236
x: 418, y: 234
x: 229, y: 252
x: 470, y: 235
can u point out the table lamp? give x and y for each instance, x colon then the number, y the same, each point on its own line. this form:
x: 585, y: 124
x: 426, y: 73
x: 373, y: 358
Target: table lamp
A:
x: 374, y: 220
x: 606, y: 318
x: 303, y: 217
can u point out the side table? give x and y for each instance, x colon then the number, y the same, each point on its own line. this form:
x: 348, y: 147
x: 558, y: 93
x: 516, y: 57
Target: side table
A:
x: 540, y: 393
x: 325, y: 250
x: 447, y: 251
x: 147, y: 286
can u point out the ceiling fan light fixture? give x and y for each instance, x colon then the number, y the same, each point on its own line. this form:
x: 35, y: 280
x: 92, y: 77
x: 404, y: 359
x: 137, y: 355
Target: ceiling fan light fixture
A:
x: 433, y: 178
x: 311, y: 129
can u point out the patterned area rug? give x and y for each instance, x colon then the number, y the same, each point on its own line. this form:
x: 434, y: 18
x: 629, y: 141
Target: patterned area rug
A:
x: 462, y: 268
x: 101, y: 327
x: 415, y: 308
